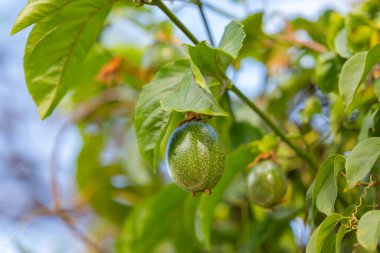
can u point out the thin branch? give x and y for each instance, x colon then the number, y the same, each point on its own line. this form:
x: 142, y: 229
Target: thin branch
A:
x: 205, y: 22
x: 79, y: 234
x: 219, y: 11
x: 175, y: 20
x: 208, y: 6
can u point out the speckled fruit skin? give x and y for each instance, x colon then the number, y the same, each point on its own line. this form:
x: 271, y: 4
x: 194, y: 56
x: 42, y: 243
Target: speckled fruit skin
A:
x: 195, y: 156
x: 267, y: 184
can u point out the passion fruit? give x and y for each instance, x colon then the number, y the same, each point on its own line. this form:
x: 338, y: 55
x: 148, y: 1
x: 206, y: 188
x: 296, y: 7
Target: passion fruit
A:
x: 267, y: 184
x: 195, y: 157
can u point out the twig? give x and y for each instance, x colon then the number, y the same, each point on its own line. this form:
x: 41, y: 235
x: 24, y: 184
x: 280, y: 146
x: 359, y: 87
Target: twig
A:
x: 205, y: 22
x: 209, y: 6
x: 79, y: 234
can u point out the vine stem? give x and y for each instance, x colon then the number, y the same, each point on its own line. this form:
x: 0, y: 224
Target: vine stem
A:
x: 240, y: 94
x: 205, y: 22
x: 175, y: 20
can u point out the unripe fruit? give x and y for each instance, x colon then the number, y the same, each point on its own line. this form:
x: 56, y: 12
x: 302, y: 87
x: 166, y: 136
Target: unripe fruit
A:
x: 195, y: 157
x: 267, y: 184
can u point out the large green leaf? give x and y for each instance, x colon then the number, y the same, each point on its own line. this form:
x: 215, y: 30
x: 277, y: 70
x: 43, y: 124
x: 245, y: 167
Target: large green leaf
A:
x: 192, y: 94
x: 56, y: 49
x: 326, y: 189
x: 361, y: 160
x: 236, y: 162
x: 35, y: 11
x: 318, y: 241
x: 369, y: 230
x: 355, y: 71
x: 175, y: 88
x: 232, y: 39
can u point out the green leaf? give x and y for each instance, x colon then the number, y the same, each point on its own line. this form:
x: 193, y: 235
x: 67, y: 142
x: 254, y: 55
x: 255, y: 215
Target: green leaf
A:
x: 368, y: 233
x: 311, y: 244
x: 207, y: 58
x: 339, y: 238
x: 325, y: 230
x: 326, y: 183
x: 191, y: 95
x: 56, y: 49
x: 236, y: 162
x: 232, y: 39
x: 175, y: 87
x: 214, y: 60
x: 255, y: 43
x: 326, y: 72
x: 368, y: 122
x: 361, y: 160
x: 355, y: 71
x: 35, y: 11
x: 340, y: 44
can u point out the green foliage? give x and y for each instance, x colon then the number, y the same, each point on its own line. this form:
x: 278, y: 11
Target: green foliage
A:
x: 320, y: 98
x: 361, y: 160
x: 355, y: 70
x: 56, y: 47
x: 369, y: 230
x: 175, y: 88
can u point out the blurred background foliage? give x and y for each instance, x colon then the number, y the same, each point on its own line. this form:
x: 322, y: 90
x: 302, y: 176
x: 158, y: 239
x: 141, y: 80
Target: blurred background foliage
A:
x: 139, y: 211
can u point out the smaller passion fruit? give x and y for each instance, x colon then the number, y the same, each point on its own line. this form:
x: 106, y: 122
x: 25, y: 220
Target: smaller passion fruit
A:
x: 267, y: 184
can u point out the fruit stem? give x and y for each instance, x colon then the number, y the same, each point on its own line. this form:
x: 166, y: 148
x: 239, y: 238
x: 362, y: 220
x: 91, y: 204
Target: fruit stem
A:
x: 273, y: 126
x: 175, y: 20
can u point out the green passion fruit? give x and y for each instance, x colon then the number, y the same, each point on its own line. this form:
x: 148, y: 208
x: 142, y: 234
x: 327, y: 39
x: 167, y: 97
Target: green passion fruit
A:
x: 195, y: 157
x: 267, y: 184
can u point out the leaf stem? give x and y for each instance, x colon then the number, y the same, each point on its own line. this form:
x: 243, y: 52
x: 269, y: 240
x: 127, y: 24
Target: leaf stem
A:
x: 175, y: 20
x: 273, y: 126
x: 205, y: 22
